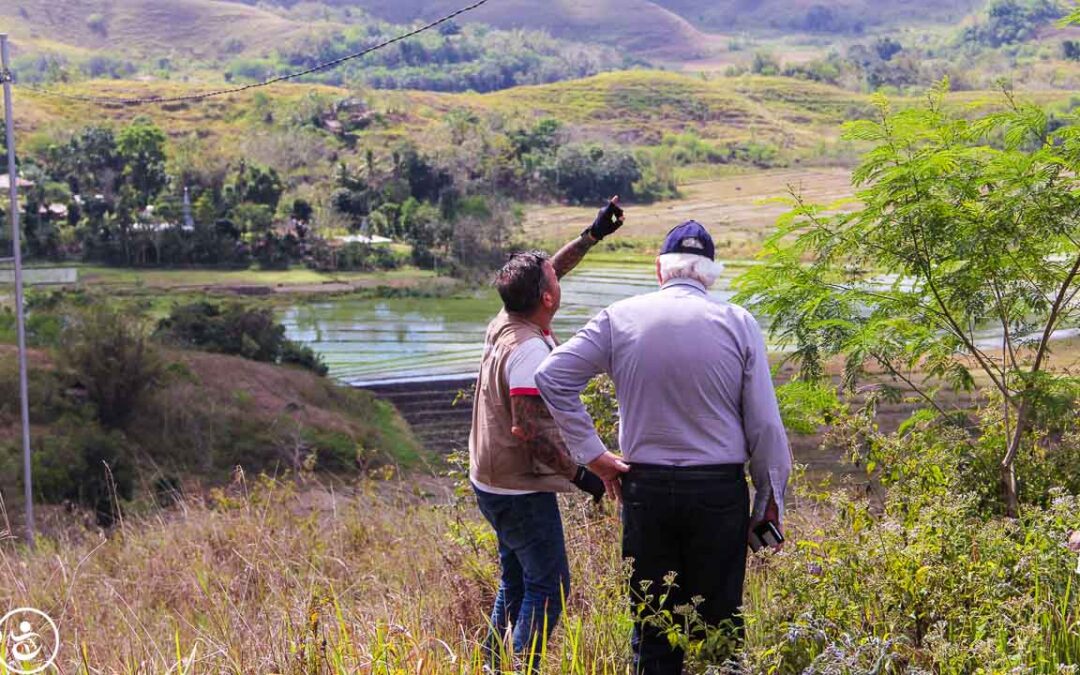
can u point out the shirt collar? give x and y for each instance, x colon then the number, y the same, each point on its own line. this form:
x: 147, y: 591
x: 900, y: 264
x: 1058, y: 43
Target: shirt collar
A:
x: 692, y: 283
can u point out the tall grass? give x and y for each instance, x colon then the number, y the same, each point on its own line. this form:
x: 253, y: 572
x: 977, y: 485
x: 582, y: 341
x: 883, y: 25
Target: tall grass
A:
x: 282, y: 577
x: 272, y: 576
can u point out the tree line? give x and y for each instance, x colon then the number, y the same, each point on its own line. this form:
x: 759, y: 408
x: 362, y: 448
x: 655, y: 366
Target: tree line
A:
x: 111, y: 195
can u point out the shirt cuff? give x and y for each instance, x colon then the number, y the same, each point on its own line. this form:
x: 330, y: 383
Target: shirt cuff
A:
x: 588, y: 451
x: 774, y: 490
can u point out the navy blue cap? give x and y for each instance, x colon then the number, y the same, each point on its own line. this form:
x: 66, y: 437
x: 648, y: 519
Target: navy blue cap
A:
x: 690, y: 237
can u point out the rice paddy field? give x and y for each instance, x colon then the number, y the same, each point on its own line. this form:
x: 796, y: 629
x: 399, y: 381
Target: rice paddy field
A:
x: 373, y: 340
x: 365, y: 341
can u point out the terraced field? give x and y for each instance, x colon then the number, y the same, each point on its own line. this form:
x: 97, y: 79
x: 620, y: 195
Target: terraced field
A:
x: 736, y: 209
x: 372, y: 341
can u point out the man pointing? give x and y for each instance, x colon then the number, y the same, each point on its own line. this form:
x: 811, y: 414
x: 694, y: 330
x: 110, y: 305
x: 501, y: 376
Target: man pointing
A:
x: 696, y: 403
x: 517, y: 458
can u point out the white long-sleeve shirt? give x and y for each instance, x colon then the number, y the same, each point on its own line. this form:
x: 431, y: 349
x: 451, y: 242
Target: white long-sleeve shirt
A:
x: 692, y: 379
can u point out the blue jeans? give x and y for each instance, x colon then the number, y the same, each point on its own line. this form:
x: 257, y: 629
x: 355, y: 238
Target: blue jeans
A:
x: 535, y: 573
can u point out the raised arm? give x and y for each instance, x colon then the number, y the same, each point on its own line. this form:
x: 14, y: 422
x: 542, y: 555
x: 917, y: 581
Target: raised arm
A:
x: 608, y: 219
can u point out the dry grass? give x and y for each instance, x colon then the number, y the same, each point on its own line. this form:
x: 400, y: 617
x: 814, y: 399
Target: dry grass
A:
x: 279, y: 578
x: 730, y: 207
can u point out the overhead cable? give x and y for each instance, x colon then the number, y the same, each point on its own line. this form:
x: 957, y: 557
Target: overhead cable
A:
x: 254, y: 85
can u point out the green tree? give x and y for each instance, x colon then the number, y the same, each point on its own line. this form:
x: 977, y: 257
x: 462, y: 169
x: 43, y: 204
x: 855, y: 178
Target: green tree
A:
x: 1010, y: 21
x: 301, y: 210
x: 253, y: 219
x: 108, y: 354
x: 1073, y: 18
x: 591, y: 173
x: 259, y: 185
x: 964, y: 258
x: 141, y: 145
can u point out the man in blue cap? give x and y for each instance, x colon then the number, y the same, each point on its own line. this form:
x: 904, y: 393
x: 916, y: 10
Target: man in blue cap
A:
x: 696, y: 403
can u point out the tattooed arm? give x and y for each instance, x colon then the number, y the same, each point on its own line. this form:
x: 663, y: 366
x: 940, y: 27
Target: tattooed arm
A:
x: 571, y: 254
x: 533, y: 426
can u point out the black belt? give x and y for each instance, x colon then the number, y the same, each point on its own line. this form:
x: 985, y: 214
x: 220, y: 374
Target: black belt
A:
x: 695, y: 470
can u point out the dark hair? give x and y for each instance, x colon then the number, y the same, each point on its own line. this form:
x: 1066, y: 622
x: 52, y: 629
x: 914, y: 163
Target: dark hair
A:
x: 521, y: 281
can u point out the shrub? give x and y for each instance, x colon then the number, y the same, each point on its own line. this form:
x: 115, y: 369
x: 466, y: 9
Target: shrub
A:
x: 107, y: 353
x: 592, y: 173
x: 97, y: 24
x: 303, y: 356
x: 232, y: 329
x: 81, y: 463
x: 975, y: 218
x: 927, y: 584
x: 253, y: 333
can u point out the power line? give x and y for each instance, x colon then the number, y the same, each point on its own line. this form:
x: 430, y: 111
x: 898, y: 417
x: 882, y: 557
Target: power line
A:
x: 273, y: 80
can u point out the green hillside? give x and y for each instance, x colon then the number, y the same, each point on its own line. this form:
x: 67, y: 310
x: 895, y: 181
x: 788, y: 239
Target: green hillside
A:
x: 635, y: 107
x: 666, y: 24
x: 638, y: 26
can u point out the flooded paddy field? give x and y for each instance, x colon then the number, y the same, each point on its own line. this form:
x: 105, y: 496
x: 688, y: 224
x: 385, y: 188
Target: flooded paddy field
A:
x: 367, y: 341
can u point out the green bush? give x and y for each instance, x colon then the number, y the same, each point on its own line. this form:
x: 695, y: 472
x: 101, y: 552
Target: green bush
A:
x: 97, y: 24
x: 928, y: 585
x: 1011, y: 21
x: 79, y: 462
x: 592, y: 173
x: 253, y: 333
x: 303, y: 356
x: 108, y: 355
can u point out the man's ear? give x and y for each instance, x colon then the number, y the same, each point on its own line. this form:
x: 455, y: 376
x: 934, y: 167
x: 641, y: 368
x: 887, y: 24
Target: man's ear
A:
x: 547, y: 299
x: 658, y: 279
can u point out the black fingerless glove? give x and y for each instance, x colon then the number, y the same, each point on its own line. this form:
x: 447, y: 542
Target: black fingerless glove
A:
x: 608, y: 219
x: 587, y: 481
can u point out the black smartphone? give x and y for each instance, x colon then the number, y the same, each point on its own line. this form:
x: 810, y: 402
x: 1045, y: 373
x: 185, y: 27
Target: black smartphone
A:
x: 765, y: 534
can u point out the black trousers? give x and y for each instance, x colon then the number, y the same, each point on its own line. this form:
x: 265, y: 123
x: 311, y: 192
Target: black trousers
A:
x: 690, y: 521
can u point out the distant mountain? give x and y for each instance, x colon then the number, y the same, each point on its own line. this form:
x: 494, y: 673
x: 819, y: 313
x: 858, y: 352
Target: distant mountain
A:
x: 651, y: 29
x: 640, y: 26
x: 179, y: 28
x: 674, y: 27
x: 208, y: 29
x: 825, y: 16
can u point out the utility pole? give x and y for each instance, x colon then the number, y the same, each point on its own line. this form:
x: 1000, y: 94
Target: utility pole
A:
x: 13, y: 214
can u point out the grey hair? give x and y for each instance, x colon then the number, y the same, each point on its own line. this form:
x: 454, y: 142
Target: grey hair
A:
x: 689, y: 266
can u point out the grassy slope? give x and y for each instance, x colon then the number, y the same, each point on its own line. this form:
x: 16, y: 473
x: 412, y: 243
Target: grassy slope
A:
x: 640, y: 27
x: 292, y: 280
x: 199, y: 28
x: 635, y: 107
x: 732, y: 208
x: 216, y: 396
x: 764, y: 14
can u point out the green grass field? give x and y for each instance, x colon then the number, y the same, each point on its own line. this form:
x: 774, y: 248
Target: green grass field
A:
x: 296, y: 280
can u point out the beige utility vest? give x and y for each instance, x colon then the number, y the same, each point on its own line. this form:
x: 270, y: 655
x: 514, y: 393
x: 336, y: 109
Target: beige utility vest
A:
x: 496, y: 457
